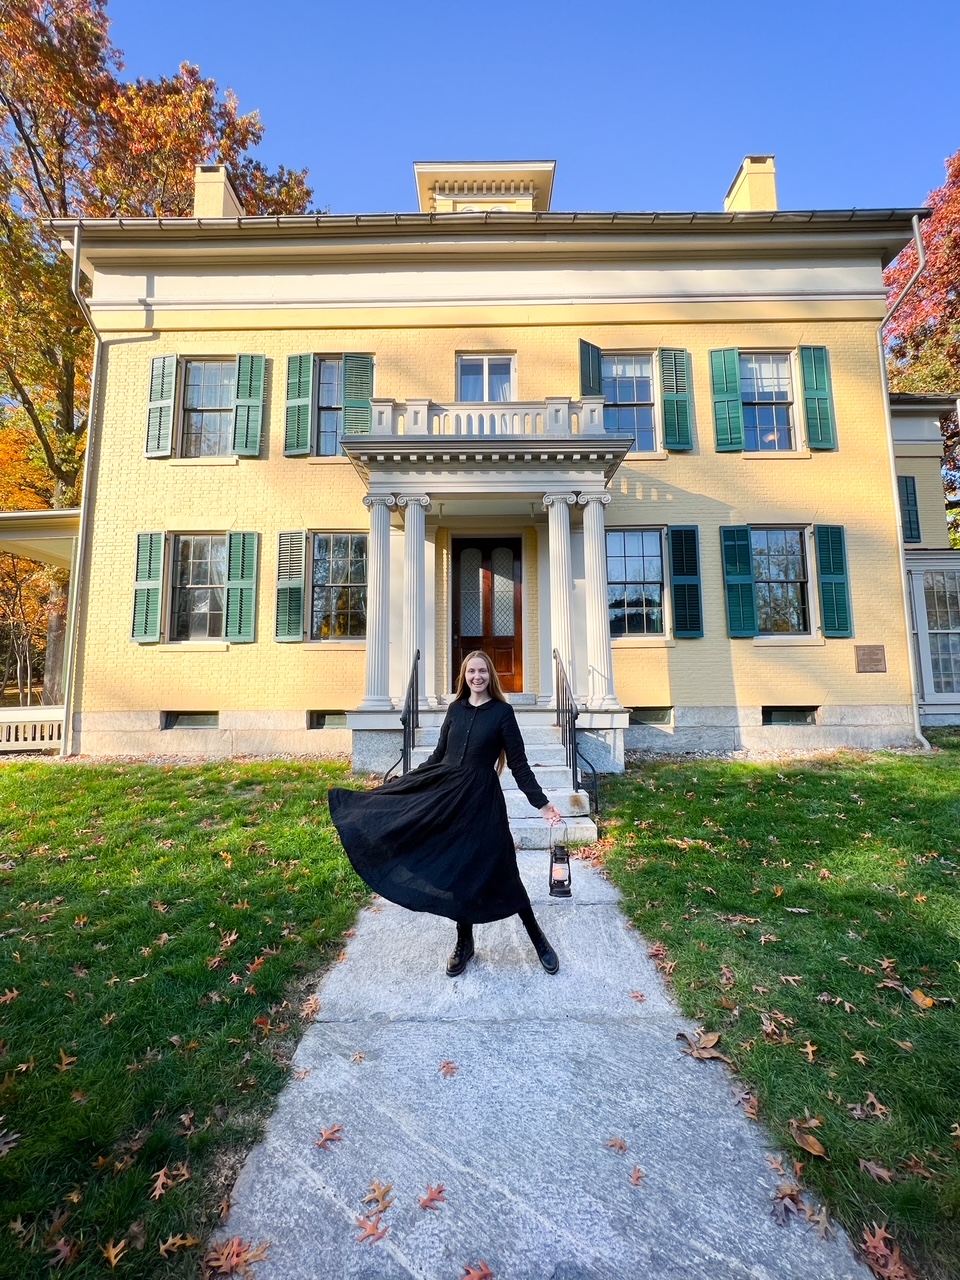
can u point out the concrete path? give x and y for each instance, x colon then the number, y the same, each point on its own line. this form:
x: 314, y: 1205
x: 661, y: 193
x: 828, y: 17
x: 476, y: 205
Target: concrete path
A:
x: 549, y: 1070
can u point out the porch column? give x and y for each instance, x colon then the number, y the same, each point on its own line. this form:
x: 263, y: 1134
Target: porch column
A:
x: 377, y: 691
x: 561, y: 578
x: 415, y: 508
x: 599, y: 655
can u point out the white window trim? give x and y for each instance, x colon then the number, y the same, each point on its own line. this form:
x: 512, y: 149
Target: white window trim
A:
x: 921, y: 632
x: 798, y: 424
x: 486, y: 357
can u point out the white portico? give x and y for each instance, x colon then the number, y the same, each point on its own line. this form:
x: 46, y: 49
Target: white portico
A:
x: 490, y: 541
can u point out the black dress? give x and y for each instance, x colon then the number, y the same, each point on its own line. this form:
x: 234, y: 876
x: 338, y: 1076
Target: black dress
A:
x: 437, y: 839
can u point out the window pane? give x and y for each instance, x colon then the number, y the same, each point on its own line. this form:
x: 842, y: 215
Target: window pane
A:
x: 338, y: 603
x: 780, y: 573
x: 499, y: 379
x: 471, y: 381
x: 198, y: 595
x: 635, y: 582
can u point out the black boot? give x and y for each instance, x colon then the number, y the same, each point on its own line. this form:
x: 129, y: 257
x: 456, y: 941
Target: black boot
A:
x: 462, y: 953
x: 548, y: 957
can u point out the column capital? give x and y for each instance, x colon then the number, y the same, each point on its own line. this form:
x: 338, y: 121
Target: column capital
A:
x: 556, y: 499
x: 414, y: 500
x: 371, y: 499
x: 602, y: 498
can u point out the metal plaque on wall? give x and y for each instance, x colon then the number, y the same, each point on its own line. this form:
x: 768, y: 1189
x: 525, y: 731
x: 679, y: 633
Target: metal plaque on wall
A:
x: 871, y: 658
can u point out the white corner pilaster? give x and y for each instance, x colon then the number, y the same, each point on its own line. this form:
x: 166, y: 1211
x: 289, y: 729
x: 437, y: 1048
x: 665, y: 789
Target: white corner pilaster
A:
x: 558, y: 506
x: 414, y: 507
x: 599, y: 653
x: 377, y: 689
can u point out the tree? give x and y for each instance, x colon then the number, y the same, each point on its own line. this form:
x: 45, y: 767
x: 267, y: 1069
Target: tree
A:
x: 76, y: 140
x: 923, y: 339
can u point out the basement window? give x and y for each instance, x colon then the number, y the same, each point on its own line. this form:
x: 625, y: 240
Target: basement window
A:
x: 191, y: 719
x: 326, y: 719
x: 651, y: 715
x: 789, y: 715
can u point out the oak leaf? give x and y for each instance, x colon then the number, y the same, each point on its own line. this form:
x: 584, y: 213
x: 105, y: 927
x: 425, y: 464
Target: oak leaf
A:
x: 371, y: 1230
x: 310, y: 1008
x: 702, y: 1045
x: 173, y: 1244
x: 616, y: 1144
x: 233, y: 1257
x: 638, y: 996
x: 448, y: 1069
x: 478, y: 1271
x: 860, y: 1057
x: 884, y: 1261
x: 63, y: 1250
x: 809, y: 1050
x: 787, y: 1200
x: 380, y: 1196
x: 744, y: 1098
x: 821, y: 1221
x: 162, y: 1182
x: 915, y: 1168
x: 327, y: 1136
x: 9, y: 996
x: 793, y: 979
x: 905, y: 1045
x: 65, y: 1063
x: 434, y: 1197
x: 876, y: 1171
x: 637, y: 1175
x: 113, y: 1252
x: 358, y: 1057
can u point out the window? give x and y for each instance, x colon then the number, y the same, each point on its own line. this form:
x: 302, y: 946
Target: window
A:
x: 941, y: 589
x: 329, y: 407
x: 650, y: 715
x: 766, y: 390
x: 190, y: 719
x: 788, y: 715
x: 338, y: 601
x: 200, y: 575
x: 328, y: 398
x: 205, y: 408
x: 628, y: 395
x: 909, y: 508
x: 635, y: 582
x: 208, y: 400
x: 780, y: 575
x: 484, y: 379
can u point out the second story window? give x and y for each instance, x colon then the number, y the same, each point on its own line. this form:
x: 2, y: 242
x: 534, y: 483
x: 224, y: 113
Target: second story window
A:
x: 208, y: 408
x: 329, y: 407
x: 628, y: 397
x: 485, y: 379
x: 766, y: 389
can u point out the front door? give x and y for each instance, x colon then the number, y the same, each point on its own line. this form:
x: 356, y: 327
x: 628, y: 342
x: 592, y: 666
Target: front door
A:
x: 487, y: 605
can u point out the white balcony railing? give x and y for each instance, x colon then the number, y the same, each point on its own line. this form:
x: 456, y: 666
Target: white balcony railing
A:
x: 31, y: 728
x: 555, y: 417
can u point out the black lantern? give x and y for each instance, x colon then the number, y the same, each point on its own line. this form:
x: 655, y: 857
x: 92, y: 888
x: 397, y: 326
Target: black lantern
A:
x: 559, y: 867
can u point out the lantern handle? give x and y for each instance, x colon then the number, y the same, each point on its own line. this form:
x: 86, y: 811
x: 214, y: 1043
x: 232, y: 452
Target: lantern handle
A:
x: 553, y: 828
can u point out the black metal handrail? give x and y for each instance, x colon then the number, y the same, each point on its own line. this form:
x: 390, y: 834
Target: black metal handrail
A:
x: 409, y: 719
x: 567, y: 713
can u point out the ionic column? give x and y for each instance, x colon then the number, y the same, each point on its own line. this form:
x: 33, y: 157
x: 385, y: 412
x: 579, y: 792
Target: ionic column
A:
x: 561, y: 578
x: 599, y: 655
x: 415, y: 507
x: 377, y: 691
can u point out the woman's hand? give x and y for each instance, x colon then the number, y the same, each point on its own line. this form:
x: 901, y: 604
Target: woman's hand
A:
x: 552, y: 814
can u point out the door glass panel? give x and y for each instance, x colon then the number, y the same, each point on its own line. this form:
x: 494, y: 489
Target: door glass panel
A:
x: 501, y: 562
x: 471, y: 592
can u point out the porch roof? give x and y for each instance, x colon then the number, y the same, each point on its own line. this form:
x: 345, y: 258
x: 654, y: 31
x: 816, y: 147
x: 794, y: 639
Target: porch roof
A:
x: 47, y: 536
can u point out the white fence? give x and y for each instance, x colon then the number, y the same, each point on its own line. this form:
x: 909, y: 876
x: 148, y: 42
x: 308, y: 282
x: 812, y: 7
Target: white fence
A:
x: 31, y: 728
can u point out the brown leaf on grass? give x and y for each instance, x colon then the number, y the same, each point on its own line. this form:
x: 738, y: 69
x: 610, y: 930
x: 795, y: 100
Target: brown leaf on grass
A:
x: 477, y: 1271
x: 379, y: 1195
x: 860, y: 1057
x: 791, y: 979
x: 113, y: 1252
x: 658, y: 951
x: 8, y: 1141
x: 434, y: 1198
x: 955, y: 1135
x: 884, y: 1261
x: 448, y: 1069
x: 727, y: 977
x: 809, y: 1050
x: 63, y: 1250
x: 173, y: 1244
x: 803, y: 1138
x: 228, y: 939
x: 616, y: 1144
x: 767, y: 937
x: 65, y: 1063
x: 310, y: 1008
x: 702, y: 1045
x: 327, y: 1136
x: 905, y: 1045
x: 787, y: 1200
x: 9, y: 996
x: 921, y: 999
x: 876, y: 1171
x: 233, y: 1257
x: 915, y: 1168
x: 637, y: 1176
x: 162, y: 1182
x: 371, y: 1230
x: 870, y: 1109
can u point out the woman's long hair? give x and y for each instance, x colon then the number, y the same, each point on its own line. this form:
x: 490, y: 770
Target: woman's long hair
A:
x: 494, y: 688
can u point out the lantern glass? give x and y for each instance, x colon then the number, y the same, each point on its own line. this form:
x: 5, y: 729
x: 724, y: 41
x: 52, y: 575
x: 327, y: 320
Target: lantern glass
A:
x: 560, y: 872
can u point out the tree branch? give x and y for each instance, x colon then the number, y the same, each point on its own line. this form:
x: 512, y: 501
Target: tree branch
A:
x: 39, y: 429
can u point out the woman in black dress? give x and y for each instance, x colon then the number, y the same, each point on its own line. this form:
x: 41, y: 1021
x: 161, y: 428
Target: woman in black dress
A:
x: 437, y: 839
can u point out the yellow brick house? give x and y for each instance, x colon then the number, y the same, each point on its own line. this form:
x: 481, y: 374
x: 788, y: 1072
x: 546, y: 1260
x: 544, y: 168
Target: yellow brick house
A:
x: 648, y: 454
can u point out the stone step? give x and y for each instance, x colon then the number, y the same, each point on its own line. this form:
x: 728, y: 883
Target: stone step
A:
x: 532, y: 734
x: 550, y: 755
x: 570, y: 803
x: 534, y: 833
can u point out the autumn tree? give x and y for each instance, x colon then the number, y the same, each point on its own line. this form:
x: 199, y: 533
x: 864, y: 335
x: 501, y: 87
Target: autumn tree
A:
x: 923, y: 339
x: 76, y: 140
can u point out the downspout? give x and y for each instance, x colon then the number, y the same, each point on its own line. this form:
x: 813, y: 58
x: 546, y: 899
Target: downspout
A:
x: 904, y: 577
x: 79, y: 558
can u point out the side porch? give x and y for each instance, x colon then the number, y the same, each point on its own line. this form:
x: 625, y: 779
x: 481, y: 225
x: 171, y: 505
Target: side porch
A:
x: 934, y: 578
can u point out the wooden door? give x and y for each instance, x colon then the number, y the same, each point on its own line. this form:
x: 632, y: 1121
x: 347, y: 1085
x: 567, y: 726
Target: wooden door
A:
x: 487, y: 605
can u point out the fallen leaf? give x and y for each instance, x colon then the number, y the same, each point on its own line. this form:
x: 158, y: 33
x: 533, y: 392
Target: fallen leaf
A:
x: 821, y: 1221
x: 162, y: 1182
x: 701, y: 1045
x: 638, y: 996
x: 776, y: 1164
x: 434, y: 1197
x: 637, y: 1176
x: 380, y: 1196
x: 787, y: 1200
x: 448, y: 1068
x: 113, y: 1252
x: 9, y: 996
x: 920, y: 998
x: 8, y: 1141
x: 371, y: 1230
x: 744, y: 1098
x: 765, y: 938
x: 63, y: 1250
x: 870, y: 1109
x: 302, y: 1075
x: 915, y: 1168
x: 806, y: 1140
x: 65, y: 1063
x: 810, y: 1050
x: 860, y: 1057
x: 233, y: 1257
x: 727, y: 977
x: 876, y: 1171
x: 479, y: 1271
x: 616, y: 1144
x: 884, y: 1261
x: 905, y: 1045
x: 358, y: 1057
x: 173, y: 1244
x: 791, y: 978
x: 327, y: 1136
x: 310, y: 1008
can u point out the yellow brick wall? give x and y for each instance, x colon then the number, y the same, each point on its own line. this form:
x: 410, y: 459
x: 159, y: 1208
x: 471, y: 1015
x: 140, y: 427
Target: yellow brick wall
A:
x: 850, y: 487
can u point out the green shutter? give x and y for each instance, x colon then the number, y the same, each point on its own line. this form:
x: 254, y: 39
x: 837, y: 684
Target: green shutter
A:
x: 357, y: 390
x: 163, y: 392
x: 685, y: 581
x: 909, y: 509
x: 300, y: 406
x: 241, y: 612
x: 738, y: 579
x: 676, y: 384
x: 248, y: 406
x: 291, y: 584
x: 148, y: 588
x: 835, y: 617
x: 727, y: 405
x: 591, y: 371
x: 817, y: 398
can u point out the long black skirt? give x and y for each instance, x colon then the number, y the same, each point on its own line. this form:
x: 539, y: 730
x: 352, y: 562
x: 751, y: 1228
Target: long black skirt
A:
x: 436, y: 840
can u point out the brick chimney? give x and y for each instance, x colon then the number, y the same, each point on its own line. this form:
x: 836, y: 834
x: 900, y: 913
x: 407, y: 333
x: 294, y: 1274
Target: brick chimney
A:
x: 754, y: 187
x: 213, y: 193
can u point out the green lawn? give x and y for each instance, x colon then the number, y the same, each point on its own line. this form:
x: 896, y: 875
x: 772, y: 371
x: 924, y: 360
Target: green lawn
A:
x: 159, y: 928
x: 796, y: 909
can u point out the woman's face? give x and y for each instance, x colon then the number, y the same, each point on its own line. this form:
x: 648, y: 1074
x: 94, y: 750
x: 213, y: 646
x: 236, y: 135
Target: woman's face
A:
x: 477, y: 675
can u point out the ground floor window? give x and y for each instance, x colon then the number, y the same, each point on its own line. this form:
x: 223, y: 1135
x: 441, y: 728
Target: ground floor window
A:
x: 780, y: 574
x: 338, y: 602
x: 635, y: 582
x: 941, y: 590
x: 199, y: 583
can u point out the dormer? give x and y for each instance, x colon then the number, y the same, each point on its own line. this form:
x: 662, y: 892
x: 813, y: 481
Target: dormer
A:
x: 513, y: 186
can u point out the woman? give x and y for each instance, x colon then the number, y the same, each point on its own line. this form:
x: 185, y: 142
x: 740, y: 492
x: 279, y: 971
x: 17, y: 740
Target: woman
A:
x: 437, y: 839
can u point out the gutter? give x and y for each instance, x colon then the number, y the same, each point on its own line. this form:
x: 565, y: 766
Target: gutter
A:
x: 86, y: 507
x: 904, y: 577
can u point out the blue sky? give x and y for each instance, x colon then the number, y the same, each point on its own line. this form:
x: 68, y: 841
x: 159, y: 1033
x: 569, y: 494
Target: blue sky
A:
x: 643, y: 106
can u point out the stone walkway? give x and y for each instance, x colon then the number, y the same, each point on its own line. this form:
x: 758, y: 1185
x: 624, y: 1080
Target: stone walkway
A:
x: 549, y: 1070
